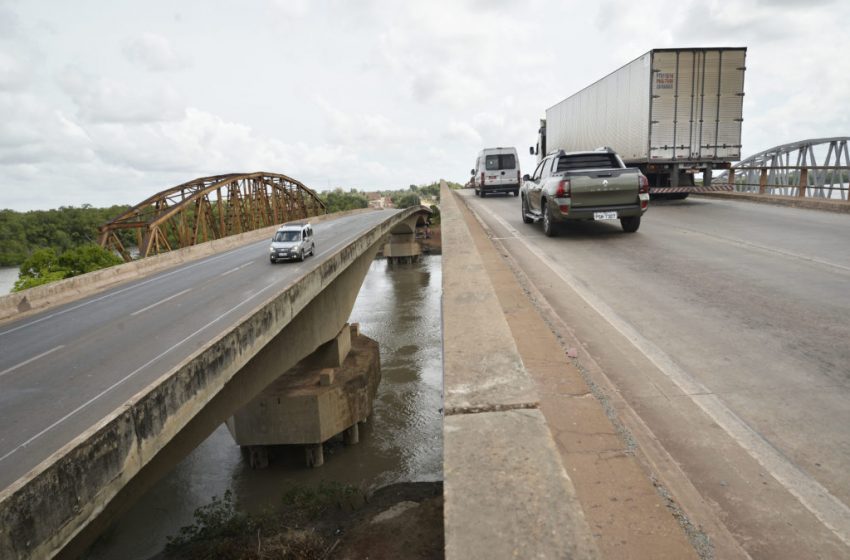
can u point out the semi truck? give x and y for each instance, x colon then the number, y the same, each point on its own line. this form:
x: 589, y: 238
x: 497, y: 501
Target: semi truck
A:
x: 672, y: 113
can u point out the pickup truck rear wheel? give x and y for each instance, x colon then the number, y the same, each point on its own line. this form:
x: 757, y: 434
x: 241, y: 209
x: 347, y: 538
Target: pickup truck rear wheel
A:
x: 631, y: 224
x: 548, y: 224
x: 525, y: 217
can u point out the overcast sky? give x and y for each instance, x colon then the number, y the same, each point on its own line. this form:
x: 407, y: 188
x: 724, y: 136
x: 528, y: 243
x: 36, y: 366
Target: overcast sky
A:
x: 108, y: 102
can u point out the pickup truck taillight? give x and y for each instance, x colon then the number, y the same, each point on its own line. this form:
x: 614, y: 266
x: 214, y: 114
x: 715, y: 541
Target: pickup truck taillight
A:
x: 644, y: 185
x: 643, y: 191
x: 564, y: 189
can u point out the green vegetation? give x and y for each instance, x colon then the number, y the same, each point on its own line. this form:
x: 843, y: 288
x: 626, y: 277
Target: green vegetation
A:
x: 339, y: 201
x: 405, y: 199
x: 294, y: 531
x: 22, y: 233
x: 46, y: 265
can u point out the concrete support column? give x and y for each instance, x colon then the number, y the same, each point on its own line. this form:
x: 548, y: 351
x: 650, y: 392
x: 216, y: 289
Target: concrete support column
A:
x: 402, y: 247
x: 351, y: 436
x: 804, y: 182
x: 326, y: 394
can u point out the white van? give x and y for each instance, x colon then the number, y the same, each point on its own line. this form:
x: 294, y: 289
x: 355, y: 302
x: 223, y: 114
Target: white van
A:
x: 292, y: 242
x: 496, y: 171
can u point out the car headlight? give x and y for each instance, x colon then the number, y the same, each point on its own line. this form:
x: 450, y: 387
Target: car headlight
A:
x: 271, y: 249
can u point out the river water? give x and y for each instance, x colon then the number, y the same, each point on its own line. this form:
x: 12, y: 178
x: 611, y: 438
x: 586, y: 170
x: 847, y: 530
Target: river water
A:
x: 8, y: 277
x: 398, y: 306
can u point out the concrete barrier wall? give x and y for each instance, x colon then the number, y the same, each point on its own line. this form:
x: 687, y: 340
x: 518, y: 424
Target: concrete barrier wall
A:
x: 506, y: 492
x: 19, y: 304
x: 76, y: 488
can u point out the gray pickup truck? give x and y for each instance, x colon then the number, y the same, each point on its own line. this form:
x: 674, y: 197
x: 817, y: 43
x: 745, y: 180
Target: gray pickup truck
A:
x: 593, y: 185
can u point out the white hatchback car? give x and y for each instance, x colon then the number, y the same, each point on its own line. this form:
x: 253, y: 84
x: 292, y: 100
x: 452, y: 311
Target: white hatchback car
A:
x: 292, y: 242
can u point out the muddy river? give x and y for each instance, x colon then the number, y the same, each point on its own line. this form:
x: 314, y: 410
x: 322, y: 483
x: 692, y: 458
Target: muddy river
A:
x: 399, y: 306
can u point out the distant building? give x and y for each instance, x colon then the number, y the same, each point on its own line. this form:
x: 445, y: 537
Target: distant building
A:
x: 376, y: 200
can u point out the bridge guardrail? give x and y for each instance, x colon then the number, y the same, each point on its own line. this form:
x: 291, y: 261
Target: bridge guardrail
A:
x: 29, y: 301
x: 505, y: 489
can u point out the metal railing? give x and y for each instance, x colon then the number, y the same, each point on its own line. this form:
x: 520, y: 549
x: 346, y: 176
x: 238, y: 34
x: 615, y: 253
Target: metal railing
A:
x: 793, y: 170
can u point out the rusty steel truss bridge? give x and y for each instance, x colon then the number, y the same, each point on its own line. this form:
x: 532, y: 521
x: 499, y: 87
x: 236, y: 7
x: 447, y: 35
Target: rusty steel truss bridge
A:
x: 818, y: 167
x: 210, y: 208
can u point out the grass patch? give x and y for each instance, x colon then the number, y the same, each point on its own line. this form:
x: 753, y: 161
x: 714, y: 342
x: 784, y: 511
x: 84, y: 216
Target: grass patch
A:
x: 297, y: 529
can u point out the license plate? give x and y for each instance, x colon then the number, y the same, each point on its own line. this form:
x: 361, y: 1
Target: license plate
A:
x: 605, y: 215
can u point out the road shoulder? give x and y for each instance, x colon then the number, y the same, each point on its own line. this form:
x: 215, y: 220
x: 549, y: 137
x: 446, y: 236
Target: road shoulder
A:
x: 627, y: 515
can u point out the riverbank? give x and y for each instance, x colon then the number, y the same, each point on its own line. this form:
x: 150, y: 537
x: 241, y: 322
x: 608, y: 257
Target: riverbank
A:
x: 398, y: 521
x: 8, y: 277
x: 399, y: 306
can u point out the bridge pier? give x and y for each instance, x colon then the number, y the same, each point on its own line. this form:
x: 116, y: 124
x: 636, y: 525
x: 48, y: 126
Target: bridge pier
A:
x: 402, y: 248
x: 326, y: 394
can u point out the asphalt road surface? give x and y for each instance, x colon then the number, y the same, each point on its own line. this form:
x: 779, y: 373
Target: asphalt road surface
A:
x: 63, y: 370
x: 725, y: 326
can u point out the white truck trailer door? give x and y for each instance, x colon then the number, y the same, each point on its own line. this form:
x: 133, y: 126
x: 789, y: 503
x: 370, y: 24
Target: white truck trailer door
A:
x: 697, y: 98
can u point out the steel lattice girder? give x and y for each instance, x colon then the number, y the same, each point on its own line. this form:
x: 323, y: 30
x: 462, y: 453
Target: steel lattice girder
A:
x: 211, y: 208
x: 793, y: 169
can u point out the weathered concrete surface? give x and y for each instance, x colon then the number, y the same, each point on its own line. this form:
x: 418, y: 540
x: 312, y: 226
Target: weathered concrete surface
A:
x: 507, y: 494
x: 840, y: 206
x: 628, y: 516
x: 64, y: 503
x: 402, y: 245
x: 298, y: 408
x: 489, y: 373
x: 24, y: 303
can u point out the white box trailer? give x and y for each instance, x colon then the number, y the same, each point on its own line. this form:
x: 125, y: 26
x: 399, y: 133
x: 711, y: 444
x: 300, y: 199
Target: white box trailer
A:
x: 670, y: 112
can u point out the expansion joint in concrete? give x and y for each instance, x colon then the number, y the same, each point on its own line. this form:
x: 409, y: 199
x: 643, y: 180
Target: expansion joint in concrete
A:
x: 490, y: 408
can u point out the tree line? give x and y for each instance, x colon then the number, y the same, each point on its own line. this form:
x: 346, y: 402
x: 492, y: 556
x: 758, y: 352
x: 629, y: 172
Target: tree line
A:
x: 338, y: 200
x: 51, y: 245
x: 62, y: 229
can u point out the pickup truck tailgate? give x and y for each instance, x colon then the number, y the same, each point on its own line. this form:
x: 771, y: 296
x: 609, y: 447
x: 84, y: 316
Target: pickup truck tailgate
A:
x: 604, y: 187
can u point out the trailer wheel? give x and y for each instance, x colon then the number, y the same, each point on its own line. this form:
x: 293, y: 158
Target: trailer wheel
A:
x: 525, y: 216
x: 630, y: 224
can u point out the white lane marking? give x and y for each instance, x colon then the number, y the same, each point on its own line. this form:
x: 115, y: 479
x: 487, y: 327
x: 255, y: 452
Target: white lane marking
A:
x: 249, y: 247
x: 831, y: 511
x: 240, y: 267
x: 748, y: 244
x: 130, y: 375
x: 160, y: 302
x: 112, y: 294
x: 34, y: 358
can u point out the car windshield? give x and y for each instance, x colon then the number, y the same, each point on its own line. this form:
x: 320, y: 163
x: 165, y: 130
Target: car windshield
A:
x: 500, y: 161
x: 287, y: 236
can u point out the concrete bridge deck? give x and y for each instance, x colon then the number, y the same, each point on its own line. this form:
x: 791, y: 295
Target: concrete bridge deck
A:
x: 103, y: 395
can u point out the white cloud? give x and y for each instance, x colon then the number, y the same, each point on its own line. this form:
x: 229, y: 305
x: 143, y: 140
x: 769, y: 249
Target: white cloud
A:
x: 154, y: 52
x: 102, y: 100
x: 350, y: 128
x: 373, y: 94
x: 463, y: 132
x: 291, y: 8
x: 32, y: 133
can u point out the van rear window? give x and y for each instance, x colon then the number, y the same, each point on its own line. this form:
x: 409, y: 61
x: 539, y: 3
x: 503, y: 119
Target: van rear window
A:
x: 588, y: 161
x: 500, y: 161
